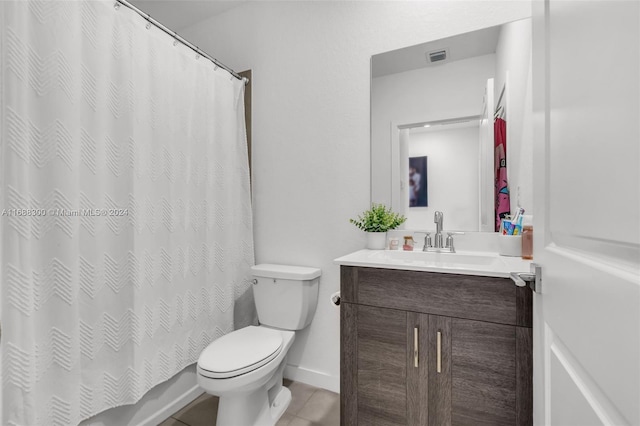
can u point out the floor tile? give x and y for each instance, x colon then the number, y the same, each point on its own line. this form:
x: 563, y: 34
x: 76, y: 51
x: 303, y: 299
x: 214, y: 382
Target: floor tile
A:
x: 172, y: 422
x: 300, y: 394
x: 309, y: 406
x: 285, y: 420
x: 322, y: 408
x: 297, y: 421
x: 201, y: 412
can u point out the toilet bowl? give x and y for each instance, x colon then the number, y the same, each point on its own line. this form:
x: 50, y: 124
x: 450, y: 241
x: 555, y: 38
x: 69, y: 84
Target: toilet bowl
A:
x: 245, y: 367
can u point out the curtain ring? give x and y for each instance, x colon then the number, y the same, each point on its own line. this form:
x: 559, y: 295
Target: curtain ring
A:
x: 148, y: 21
x: 116, y: 5
x: 175, y: 38
x: 197, y: 52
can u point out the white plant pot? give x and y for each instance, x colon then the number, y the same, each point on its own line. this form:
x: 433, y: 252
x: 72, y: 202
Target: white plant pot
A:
x: 376, y: 240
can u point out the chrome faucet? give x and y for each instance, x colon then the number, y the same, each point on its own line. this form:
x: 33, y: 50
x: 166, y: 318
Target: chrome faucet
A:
x: 438, y: 245
x: 437, y: 218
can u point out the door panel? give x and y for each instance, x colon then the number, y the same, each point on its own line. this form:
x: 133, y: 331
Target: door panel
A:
x: 594, y: 131
x: 572, y: 408
x: 382, y: 375
x: 587, y: 212
x: 483, y: 374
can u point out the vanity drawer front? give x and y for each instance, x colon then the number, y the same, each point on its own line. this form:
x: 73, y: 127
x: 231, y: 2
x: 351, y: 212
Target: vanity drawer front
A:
x: 462, y: 296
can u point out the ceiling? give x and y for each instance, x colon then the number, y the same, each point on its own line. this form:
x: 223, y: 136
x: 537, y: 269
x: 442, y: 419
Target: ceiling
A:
x: 463, y: 46
x: 179, y: 14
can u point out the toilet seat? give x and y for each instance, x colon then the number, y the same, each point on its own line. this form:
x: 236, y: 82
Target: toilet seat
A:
x: 240, y: 352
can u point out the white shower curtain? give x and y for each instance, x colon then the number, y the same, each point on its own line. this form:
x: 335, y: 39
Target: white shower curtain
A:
x: 126, y: 222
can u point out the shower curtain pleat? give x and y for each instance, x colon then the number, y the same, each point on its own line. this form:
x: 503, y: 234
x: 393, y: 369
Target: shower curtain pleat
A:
x: 125, y: 157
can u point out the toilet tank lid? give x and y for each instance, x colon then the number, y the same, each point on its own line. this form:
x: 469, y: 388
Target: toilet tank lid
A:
x: 285, y: 272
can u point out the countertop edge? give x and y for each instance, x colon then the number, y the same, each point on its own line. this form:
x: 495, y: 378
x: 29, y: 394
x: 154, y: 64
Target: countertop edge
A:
x: 344, y: 261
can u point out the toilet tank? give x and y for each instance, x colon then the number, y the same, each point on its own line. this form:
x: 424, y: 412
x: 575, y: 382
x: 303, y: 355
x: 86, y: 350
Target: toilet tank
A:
x: 286, y: 296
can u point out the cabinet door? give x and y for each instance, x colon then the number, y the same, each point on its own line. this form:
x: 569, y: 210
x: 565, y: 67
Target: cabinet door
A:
x: 418, y: 369
x: 381, y: 368
x: 428, y: 370
x: 373, y: 366
x: 440, y: 370
x: 483, y: 373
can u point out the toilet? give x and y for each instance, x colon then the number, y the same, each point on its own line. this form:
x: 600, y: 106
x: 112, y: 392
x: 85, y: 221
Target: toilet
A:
x: 244, y: 368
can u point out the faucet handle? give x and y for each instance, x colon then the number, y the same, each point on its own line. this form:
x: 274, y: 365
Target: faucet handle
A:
x: 427, y: 239
x: 449, y: 242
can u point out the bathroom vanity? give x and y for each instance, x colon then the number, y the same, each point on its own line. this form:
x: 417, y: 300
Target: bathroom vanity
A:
x: 437, y: 345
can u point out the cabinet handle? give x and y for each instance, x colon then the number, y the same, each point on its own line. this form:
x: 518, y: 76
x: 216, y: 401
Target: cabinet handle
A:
x: 439, y: 352
x: 415, y: 346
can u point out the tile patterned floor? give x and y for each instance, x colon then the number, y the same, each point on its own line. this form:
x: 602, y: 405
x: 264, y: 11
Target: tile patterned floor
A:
x: 309, y: 406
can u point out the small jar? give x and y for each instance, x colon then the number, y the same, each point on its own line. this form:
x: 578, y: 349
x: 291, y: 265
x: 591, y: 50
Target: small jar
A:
x: 393, y: 243
x: 408, y: 243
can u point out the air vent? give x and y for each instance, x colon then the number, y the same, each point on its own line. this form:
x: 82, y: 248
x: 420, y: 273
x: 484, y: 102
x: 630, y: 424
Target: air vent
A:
x: 437, y: 56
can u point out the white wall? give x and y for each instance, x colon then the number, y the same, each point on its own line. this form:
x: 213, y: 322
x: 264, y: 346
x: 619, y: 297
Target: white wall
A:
x: 311, y: 82
x: 452, y: 178
x: 513, y: 65
x: 450, y: 90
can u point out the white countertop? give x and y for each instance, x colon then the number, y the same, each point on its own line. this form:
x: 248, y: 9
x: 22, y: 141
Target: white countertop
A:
x: 462, y: 262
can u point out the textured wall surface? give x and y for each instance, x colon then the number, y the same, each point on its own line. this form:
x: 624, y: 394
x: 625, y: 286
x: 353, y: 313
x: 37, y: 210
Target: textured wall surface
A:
x: 310, y: 63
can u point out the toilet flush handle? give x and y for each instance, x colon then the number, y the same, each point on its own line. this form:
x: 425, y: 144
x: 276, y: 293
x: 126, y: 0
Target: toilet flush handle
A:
x: 254, y: 281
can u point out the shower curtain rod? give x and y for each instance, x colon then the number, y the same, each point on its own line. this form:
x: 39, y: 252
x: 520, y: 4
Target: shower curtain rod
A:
x: 175, y: 35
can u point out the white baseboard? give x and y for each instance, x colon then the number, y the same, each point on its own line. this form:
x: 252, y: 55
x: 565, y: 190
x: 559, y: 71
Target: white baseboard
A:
x: 313, y: 378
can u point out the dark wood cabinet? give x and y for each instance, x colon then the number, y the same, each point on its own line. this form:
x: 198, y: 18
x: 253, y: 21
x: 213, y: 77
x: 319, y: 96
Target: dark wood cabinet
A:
x: 430, y: 349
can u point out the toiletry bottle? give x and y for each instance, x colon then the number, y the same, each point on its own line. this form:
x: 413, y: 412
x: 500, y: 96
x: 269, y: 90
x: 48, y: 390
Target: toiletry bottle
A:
x: 527, y: 238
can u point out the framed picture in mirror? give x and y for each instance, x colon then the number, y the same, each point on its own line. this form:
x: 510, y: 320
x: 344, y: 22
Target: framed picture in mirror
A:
x: 418, y: 195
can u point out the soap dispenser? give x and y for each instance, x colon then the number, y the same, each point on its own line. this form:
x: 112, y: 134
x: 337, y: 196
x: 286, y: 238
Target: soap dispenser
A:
x: 527, y: 237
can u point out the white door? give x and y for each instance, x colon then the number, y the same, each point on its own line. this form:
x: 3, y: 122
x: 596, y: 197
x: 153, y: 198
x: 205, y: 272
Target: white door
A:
x: 587, y: 212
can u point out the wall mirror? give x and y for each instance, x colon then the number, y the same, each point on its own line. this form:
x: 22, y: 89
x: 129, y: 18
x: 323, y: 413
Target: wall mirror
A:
x: 433, y: 108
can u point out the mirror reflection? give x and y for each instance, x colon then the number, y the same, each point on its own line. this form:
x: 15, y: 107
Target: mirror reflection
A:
x: 435, y: 109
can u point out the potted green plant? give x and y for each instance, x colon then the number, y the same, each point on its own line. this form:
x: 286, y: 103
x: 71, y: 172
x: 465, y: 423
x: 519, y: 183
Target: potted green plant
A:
x: 376, y: 222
